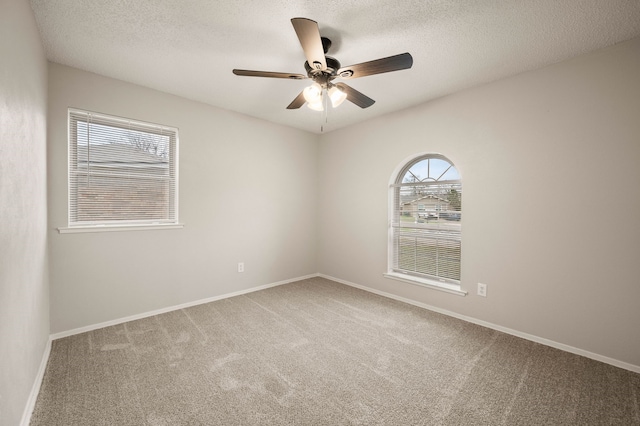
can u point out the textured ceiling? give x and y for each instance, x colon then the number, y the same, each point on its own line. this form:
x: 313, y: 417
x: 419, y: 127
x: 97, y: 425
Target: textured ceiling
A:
x: 188, y: 48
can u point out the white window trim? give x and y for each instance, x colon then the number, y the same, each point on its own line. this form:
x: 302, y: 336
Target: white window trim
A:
x: 406, y: 278
x: 432, y: 284
x: 126, y: 226
x: 114, y: 228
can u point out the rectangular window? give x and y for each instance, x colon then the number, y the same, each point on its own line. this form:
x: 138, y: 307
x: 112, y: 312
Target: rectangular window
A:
x: 427, y: 245
x: 121, y: 172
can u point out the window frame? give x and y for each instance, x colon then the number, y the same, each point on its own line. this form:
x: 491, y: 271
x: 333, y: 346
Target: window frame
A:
x: 74, y: 116
x: 429, y: 281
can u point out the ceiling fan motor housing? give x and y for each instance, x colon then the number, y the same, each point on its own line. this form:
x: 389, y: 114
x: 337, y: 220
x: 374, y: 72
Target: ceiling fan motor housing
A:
x: 323, y: 77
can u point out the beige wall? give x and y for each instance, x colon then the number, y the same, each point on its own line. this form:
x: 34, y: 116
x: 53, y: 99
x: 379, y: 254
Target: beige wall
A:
x: 239, y: 178
x: 568, y: 134
x: 24, y: 293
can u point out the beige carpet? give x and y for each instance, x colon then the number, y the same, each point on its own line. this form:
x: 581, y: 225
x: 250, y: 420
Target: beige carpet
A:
x: 316, y: 352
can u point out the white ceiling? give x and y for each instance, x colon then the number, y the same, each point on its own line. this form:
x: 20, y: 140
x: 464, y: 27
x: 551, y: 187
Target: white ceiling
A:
x: 189, y: 47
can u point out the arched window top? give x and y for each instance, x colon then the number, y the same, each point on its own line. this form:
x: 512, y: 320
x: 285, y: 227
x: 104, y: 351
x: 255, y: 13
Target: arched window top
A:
x: 429, y: 168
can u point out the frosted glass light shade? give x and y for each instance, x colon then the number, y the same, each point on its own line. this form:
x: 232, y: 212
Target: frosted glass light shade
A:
x: 316, y: 106
x: 337, y: 96
x: 313, y: 93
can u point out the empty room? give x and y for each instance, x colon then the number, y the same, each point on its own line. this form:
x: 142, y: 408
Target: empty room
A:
x: 338, y: 213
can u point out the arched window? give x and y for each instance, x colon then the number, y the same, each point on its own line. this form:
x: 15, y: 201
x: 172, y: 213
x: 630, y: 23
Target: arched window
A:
x: 425, y: 226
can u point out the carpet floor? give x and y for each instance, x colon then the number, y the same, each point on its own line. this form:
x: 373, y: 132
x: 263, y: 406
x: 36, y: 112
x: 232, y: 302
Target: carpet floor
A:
x: 316, y: 352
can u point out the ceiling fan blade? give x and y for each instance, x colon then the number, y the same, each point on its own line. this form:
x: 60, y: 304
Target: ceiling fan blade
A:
x: 269, y: 74
x: 392, y: 63
x: 360, y: 99
x: 297, y: 102
x: 309, y: 36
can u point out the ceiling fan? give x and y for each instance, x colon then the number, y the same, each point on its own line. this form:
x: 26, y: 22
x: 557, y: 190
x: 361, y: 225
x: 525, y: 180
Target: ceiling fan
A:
x: 324, y: 69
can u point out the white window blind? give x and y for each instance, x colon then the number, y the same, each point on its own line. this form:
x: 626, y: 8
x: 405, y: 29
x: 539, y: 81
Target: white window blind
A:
x: 121, y: 171
x: 425, y: 232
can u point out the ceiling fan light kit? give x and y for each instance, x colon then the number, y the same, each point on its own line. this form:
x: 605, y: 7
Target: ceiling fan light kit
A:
x: 322, y: 70
x: 315, y: 95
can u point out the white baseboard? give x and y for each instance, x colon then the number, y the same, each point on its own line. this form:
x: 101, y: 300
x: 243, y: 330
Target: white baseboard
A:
x: 173, y: 308
x: 531, y: 337
x: 35, y: 389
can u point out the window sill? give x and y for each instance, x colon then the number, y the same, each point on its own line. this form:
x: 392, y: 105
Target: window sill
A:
x: 116, y: 228
x: 435, y: 285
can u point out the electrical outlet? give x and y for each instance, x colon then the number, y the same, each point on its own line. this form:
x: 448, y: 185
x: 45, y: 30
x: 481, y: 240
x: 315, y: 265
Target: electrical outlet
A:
x: 240, y: 266
x: 482, y: 290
